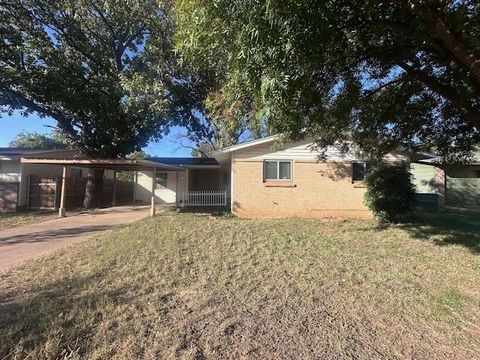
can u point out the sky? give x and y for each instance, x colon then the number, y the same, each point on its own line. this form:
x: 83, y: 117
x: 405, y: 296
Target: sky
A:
x: 10, y: 126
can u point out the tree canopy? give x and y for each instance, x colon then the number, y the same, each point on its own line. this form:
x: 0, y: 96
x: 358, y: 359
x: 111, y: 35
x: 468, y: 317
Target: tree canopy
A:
x: 104, y: 70
x: 385, y: 74
x: 27, y: 140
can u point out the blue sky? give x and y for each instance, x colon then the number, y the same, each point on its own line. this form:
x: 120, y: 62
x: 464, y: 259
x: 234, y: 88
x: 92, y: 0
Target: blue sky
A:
x: 10, y: 126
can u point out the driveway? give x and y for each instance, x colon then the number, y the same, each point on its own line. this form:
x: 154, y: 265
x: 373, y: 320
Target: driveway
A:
x: 29, y: 241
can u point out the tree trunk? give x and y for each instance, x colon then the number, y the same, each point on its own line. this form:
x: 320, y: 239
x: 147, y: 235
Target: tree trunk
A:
x: 94, y: 189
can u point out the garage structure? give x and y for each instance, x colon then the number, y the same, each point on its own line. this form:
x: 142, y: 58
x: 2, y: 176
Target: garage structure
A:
x: 113, y: 165
x: 455, y: 185
x: 33, y: 179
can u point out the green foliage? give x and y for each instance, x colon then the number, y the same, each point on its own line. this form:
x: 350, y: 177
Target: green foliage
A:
x: 55, y: 140
x: 104, y: 70
x: 387, y: 74
x: 390, y: 192
x: 129, y: 175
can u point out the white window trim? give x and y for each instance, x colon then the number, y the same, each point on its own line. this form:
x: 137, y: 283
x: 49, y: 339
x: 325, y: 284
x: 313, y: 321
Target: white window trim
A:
x: 278, y: 169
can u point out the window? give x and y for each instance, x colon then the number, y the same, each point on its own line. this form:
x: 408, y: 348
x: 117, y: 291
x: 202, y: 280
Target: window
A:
x: 277, y: 170
x: 360, y: 170
x: 162, y: 180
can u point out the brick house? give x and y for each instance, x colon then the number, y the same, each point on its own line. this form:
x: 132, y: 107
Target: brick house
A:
x: 267, y: 181
x: 260, y: 178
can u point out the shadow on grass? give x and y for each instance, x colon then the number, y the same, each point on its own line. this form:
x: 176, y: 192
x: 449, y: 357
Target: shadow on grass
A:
x: 446, y: 227
x: 64, y: 313
x: 206, y: 210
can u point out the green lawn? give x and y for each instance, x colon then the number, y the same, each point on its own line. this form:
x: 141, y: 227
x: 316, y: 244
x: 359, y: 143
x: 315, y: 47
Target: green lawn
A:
x: 185, y: 286
x: 10, y: 220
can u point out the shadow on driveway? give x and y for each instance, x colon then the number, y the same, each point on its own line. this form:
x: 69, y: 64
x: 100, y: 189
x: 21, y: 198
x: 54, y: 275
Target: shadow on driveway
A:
x: 52, y: 234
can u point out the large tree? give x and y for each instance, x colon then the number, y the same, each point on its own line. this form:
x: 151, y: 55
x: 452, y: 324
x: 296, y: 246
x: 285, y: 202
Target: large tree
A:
x: 386, y: 74
x: 105, y: 70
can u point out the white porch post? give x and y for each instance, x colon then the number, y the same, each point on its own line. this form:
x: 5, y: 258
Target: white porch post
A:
x: 61, y: 210
x: 114, y: 190
x: 152, y: 200
x: 176, y: 191
x: 135, y: 184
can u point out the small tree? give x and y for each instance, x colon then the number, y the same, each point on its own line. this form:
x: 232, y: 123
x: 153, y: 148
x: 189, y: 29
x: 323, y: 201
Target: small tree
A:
x: 390, y: 192
x: 36, y: 141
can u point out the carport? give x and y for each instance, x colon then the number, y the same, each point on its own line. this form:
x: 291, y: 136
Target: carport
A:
x: 106, y: 164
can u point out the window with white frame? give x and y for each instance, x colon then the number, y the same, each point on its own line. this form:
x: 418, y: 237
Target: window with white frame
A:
x: 277, y: 170
x: 161, y: 180
x: 360, y: 170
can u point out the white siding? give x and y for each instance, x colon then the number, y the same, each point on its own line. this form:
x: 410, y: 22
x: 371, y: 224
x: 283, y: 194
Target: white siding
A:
x: 166, y: 195
x: 304, y: 151
x: 424, y: 178
x: 10, y: 171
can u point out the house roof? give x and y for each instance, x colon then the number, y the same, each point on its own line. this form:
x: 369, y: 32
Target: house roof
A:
x: 12, y: 151
x: 247, y: 144
x: 184, y: 161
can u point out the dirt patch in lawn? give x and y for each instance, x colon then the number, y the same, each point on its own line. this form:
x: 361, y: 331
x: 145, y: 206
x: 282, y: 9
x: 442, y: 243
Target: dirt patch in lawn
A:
x: 184, y: 286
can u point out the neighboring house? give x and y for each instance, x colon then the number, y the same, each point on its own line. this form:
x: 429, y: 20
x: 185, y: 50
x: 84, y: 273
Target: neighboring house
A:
x: 448, y: 184
x: 260, y: 178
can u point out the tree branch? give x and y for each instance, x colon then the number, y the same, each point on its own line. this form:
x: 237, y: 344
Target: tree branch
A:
x: 451, y: 40
x: 449, y: 93
x: 23, y: 101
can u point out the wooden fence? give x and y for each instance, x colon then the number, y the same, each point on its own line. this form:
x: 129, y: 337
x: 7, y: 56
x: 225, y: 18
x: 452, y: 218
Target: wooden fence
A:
x: 45, y: 192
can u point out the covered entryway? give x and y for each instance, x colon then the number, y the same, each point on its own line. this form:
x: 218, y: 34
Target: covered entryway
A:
x: 63, y: 186
x: 205, y: 182
x: 206, y: 187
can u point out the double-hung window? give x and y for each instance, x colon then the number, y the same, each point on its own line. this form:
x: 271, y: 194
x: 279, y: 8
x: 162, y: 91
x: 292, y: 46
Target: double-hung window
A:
x: 360, y: 170
x: 277, y: 170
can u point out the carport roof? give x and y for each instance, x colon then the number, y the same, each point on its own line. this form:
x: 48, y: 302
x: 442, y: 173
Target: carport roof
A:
x: 108, y: 164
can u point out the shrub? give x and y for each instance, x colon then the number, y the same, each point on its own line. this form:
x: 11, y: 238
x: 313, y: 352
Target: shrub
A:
x: 390, y: 192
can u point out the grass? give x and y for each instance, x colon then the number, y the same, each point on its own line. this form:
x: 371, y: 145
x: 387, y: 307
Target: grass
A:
x: 192, y: 287
x: 10, y: 220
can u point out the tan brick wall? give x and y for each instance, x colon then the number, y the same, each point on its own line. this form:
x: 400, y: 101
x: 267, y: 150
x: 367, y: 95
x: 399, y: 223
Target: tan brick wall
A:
x: 317, y: 189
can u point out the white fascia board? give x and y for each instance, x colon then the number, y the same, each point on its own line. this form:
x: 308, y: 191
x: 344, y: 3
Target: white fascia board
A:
x: 247, y: 144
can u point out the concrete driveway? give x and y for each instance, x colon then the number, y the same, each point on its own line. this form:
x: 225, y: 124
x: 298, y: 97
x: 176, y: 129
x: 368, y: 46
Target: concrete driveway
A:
x: 28, y: 241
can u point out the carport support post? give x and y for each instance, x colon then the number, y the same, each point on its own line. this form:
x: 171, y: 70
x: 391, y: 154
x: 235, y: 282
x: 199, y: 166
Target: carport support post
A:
x: 61, y: 211
x: 154, y: 183
x: 114, y: 190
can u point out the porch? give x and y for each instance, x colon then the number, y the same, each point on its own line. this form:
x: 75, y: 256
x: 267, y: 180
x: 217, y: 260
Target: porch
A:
x: 204, y: 183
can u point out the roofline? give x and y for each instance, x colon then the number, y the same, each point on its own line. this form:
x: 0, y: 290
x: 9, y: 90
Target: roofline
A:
x: 247, y: 144
x: 439, y: 161
x: 216, y: 166
x: 100, y: 162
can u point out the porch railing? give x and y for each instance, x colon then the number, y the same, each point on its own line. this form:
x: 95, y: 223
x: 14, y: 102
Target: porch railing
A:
x: 204, y: 198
